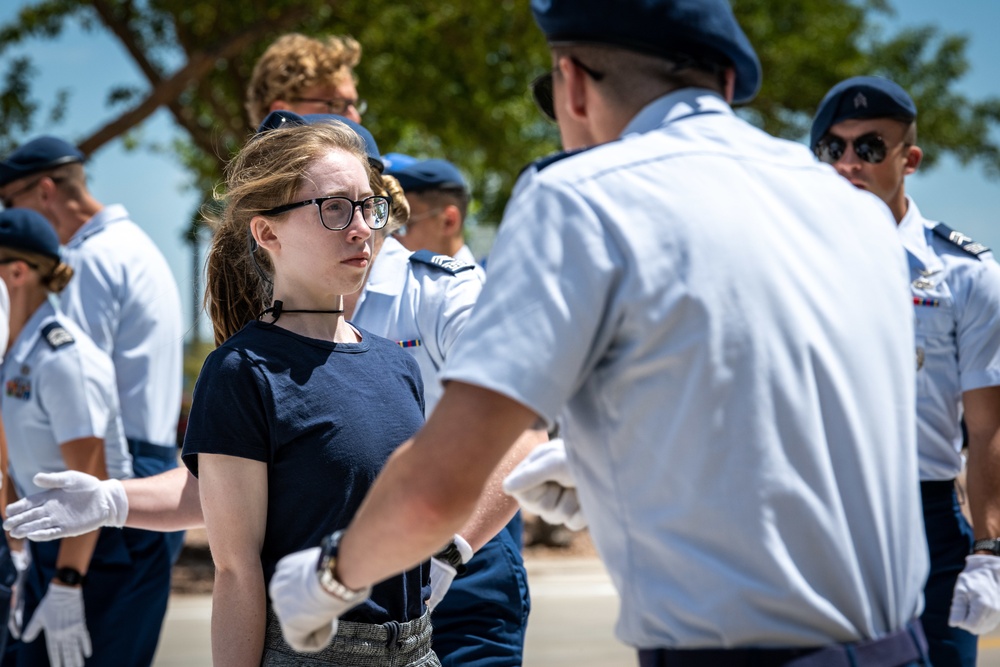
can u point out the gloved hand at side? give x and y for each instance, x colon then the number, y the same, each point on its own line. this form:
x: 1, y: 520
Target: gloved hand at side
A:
x: 542, y: 484
x: 60, y: 614
x: 975, y: 605
x: 75, y: 503
x: 307, y: 613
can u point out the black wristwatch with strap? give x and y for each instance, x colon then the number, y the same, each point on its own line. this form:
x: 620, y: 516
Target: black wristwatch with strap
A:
x: 451, y: 555
x: 69, y: 576
x: 992, y: 545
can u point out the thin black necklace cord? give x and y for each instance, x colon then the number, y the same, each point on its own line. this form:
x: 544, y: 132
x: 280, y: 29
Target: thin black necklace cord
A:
x: 278, y: 309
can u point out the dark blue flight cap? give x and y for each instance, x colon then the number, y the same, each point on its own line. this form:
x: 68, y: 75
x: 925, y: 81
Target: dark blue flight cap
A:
x: 25, y: 229
x: 861, y: 97
x: 397, y: 161
x: 281, y: 118
x: 37, y: 155
x: 699, y: 28
x: 427, y: 175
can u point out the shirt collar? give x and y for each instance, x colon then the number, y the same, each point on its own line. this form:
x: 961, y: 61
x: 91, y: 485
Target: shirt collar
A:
x: 30, y: 333
x: 100, y: 220
x: 913, y: 230
x: 674, y: 106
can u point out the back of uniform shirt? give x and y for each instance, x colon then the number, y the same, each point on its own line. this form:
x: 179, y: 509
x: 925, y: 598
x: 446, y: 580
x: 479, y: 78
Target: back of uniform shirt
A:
x: 124, y: 296
x: 728, y: 323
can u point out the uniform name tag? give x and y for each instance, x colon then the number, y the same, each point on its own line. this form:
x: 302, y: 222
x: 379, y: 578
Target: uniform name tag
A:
x: 446, y: 263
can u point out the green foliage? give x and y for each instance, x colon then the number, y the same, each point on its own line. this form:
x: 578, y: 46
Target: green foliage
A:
x: 450, y: 78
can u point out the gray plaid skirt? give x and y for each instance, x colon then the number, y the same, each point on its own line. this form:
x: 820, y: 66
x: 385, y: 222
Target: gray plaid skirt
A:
x: 357, y: 645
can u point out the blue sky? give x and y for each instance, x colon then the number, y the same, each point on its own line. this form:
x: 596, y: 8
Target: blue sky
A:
x: 152, y: 186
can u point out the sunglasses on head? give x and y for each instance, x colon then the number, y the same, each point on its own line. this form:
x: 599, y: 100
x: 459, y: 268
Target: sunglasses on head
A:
x: 869, y: 147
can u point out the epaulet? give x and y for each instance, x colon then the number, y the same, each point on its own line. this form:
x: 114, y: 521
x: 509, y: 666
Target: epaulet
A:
x: 446, y: 263
x: 56, y: 336
x: 550, y: 160
x: 974, y: 248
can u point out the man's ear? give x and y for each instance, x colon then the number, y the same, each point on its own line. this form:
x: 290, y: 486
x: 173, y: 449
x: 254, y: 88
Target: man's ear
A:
x: 914, y: 155
x: 451, y: 220
x: 264, y: 234
x: 730, y: 91
x: 575, y: 99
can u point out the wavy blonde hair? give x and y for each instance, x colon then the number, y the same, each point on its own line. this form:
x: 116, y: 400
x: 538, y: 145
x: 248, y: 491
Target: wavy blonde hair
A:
x: 294, y: 63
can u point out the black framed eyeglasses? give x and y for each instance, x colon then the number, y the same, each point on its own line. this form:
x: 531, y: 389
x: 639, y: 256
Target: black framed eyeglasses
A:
x: 541, y: 88
x: 336, y: 213
x: 870, y: 147
x: 338, y: 106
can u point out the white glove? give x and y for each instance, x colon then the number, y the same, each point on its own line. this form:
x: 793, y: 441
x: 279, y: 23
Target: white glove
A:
x: 443, y: 573
x: 22, y: 561
x: 975, y: 605
x: 60, y: 614
x: 307, y: 613
x: 542, y: 484
x: 76, y: 503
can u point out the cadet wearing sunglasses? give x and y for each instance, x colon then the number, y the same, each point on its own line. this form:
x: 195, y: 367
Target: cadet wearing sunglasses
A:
x: 866, y: 128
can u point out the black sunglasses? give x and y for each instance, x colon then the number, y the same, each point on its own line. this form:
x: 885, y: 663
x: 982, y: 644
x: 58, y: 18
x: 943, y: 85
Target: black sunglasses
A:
x: 869, y: 147
x: 541, y: 88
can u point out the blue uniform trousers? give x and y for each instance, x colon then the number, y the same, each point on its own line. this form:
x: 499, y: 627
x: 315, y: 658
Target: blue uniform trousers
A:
x: 125, y: 597
x: 127, y: 588
x: 8, y: 575
x: 482, y: 620
x: 149, y: 460
x: 949, y: 540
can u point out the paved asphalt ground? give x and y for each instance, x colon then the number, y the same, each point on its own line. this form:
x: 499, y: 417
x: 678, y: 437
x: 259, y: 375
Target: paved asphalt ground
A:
x: 573, y: 611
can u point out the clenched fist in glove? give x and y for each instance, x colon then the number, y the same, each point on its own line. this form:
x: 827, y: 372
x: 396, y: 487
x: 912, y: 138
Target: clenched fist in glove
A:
x: 542, y: 484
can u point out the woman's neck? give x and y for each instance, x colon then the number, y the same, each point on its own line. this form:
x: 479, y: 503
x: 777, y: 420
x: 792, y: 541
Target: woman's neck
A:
x: 23, y: 304
x: 323, y: 321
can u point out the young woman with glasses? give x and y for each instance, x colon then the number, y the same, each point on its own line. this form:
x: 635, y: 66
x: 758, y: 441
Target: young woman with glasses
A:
x: 297, y: 411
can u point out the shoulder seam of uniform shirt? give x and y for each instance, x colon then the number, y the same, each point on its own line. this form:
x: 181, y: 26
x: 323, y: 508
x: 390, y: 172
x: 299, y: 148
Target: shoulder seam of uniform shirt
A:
x: 549, y: 160
x: 56, y: 335
x: 960, y: 240
x: 446, y: 263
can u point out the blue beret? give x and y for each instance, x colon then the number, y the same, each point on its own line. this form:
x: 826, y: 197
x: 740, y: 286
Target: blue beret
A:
x: 861, y: 97
x: 427, y: 175
x: 277, y: 119
x: 666, y: 28
x: 25, y: 229
x: 37, y: 155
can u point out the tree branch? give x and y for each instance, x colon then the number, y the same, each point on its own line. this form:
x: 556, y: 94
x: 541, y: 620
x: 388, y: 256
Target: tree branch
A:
x: 166, y: 91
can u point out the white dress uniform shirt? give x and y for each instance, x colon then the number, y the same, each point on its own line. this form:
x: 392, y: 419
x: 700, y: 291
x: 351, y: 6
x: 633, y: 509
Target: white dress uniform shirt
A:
x: 58, y: 388
x: 125, y: 298
x: 4, y: 318
x: 421, y: 306
x: 956, y: 296
x: 465, y: 255
x: 727, y: 322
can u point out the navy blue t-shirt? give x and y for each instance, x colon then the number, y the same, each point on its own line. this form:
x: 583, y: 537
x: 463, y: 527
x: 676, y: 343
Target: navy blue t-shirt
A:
x: 324, y: 417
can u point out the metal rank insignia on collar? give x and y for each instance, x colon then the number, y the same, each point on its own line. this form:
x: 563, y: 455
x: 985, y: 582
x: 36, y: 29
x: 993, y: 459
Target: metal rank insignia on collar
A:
x: 922, y: 282
x: 18, y: 387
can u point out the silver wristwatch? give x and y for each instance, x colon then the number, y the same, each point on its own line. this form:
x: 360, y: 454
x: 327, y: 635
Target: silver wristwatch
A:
x: 992, y: 545
x: 326, y: 567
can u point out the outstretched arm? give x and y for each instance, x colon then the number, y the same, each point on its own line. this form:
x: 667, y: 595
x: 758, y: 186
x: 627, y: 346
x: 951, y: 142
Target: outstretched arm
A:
x: 77, y: 503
